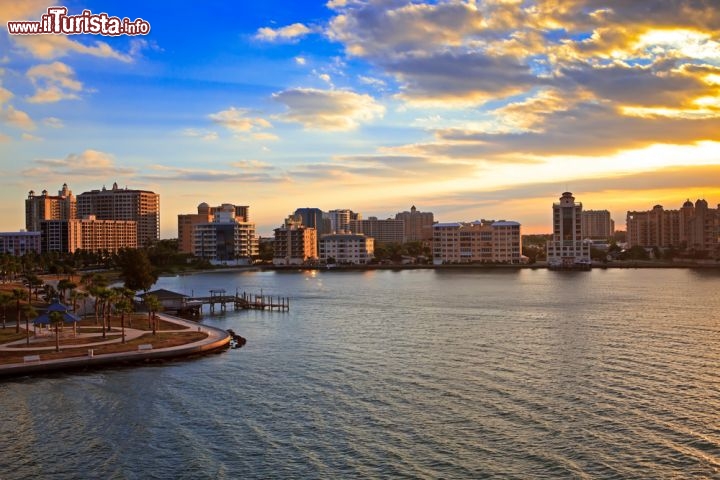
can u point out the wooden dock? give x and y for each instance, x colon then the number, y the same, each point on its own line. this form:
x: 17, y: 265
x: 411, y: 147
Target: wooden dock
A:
x: 218, y: 299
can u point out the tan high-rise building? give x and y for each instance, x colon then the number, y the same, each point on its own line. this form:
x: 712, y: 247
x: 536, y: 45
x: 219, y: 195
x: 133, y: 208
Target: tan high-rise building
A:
x: 140, y: 206
x: 383, y: 231
x: 49, y: 207
x: 418, y: 225
x: 295, y: 244
x: 227, y: 238
x: 597, y: 225
x: 692, y: 226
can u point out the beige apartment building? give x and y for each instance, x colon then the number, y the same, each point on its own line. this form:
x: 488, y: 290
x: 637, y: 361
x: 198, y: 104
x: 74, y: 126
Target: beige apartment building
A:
x: 353, y: 249
x: 205, y: 214
x: 227, y: 238
x: 90, y: 234
x: 295, y: 244
x: 383, y: 231
x: 597, y: 225
x: 140, y: 206
x: 49, y: 207
x: 477, y: 242
x: 418, y: 225
x: 694, y: 226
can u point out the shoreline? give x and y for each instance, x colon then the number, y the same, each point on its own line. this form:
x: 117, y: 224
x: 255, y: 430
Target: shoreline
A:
x: 216, y: 341
x: 639, y: 264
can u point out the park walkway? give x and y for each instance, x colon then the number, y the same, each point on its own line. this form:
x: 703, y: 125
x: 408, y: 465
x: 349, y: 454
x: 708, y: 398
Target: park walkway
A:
x: 216, y: 339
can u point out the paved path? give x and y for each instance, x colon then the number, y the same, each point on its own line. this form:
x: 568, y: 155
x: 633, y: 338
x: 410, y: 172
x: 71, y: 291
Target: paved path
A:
x: 216, y: 339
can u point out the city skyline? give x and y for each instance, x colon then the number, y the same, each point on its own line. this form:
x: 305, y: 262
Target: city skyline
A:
x: 468, y: 110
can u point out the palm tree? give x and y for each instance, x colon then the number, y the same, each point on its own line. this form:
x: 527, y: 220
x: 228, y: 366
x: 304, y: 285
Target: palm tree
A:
x: 64, y: 285
x: 17, y: 295
x: 123, y: 305
x: 76, y: 295
x: 28, y: 311
x: 5, y: 300
x: 153, y: 305
x: 105, y: 295
x: 56, y: 318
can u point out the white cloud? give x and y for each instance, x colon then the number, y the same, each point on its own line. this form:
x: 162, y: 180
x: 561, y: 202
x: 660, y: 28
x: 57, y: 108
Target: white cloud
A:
x: 53, y: 82
x: 30, y: 138
x: 207, y: 135
x: 5, y: 95
x: 300, y: 60
x: 53, y: 122
x: 89, y: 163
x: 288, y: 33
x: 49, y: 47
x: 236, y: 119
x: 16, y: 118
x: 328, y: 109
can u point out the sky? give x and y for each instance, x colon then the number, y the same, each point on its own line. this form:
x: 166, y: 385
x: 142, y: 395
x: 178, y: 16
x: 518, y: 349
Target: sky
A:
x: 468, y: 109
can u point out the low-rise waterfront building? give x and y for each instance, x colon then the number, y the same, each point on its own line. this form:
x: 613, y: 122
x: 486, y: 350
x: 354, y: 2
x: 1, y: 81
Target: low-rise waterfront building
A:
x: 19, y: 243
x: 482, y: 241
x: 347, y: 249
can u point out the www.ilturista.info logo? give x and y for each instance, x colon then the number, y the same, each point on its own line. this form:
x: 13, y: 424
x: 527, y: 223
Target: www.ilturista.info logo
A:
x: 58, y: 22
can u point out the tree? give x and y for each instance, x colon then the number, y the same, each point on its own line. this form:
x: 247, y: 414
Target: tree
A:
x: 28, y: 311
x: 153, y: 305
x: 105, y: 295
x: 17, y: 295
x: 64, y: 285
x: 5, y: 300
x: 123, y: 305
x: 136, y: 269
x: 56, y: 318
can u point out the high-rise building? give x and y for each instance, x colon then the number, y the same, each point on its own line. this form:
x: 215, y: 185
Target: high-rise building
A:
x: 597, y: 225
x: 205, y: 214
x: 88, y: 234
x: 418, y: 225
x: 295, y: 244
x: 340, y: 220
x: 346, y: 248
x: 141, y: 206
x: 383, y: 231
x: 227, y: 238
x: 317, y: 219
x: 49, y: 207
x: 693, y: 226
x: 482, y: 241
x: 567, y: 249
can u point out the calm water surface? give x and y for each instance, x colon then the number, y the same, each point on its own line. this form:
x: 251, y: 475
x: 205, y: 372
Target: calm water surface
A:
x: 411, y: 374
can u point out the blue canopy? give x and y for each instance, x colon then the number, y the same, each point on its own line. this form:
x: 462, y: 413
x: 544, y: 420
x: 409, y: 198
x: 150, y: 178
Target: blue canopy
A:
x: 56, y: 306
x: 44, y: 319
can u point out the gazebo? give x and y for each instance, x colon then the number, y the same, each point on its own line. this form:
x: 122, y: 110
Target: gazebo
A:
x: 56, y: 306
